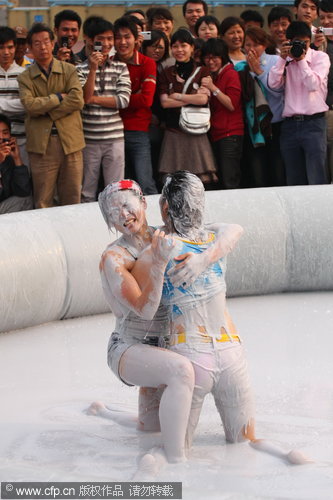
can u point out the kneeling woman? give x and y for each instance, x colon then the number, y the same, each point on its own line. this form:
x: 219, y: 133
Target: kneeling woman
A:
x: 181, y: 149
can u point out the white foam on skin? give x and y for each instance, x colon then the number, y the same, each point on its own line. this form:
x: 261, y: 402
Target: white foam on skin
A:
x: 114, y: 259
x: 119, y: 206
x: 125, y: 209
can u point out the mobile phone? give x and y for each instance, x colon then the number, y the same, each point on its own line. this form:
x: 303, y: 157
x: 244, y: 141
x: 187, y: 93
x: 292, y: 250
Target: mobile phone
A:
x: 98, y: 47
x: 326, y: 31
x: 7, y: 140
x: 146, y: 35
x: 64, y: 41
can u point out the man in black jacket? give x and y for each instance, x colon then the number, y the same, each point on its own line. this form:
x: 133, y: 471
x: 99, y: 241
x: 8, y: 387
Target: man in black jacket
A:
x: 15, y: 184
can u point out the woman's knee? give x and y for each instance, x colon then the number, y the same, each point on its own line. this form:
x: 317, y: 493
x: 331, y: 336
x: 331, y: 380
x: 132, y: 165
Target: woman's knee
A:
x: 182, y: 371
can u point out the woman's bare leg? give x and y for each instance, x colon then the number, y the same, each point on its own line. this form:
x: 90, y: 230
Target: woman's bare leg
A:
x: 154, y: 367
x: 116, y: 414
x: 233, y: 398
x: 147, y: 419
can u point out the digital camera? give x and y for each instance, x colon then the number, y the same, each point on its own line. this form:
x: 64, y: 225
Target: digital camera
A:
x: 297, y: 47
x: 325, y: 31
x: 146, y: 35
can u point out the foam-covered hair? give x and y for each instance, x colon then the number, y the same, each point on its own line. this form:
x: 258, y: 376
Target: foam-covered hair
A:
x: 105, y: 197
x: 185, y: 195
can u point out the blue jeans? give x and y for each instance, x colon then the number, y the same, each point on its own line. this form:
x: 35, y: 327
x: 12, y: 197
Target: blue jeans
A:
x: 138, y: 160
x: 303, y: 148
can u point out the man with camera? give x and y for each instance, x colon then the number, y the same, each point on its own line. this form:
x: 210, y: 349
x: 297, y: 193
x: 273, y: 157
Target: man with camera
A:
x: 106, y: 89
x: 15, y: 185
x: 302, y: 73
x: 67, y: 24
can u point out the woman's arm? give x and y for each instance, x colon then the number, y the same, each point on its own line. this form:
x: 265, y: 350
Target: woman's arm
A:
x: 137, y: 288
x: 224, y: 99
x: 192, y: 265
x: 177, y: 100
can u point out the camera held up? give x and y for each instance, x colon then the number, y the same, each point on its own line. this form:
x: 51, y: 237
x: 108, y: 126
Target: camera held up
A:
x: 297, y: 47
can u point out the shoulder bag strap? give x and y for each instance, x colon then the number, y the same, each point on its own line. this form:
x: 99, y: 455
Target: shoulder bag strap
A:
x: 189, y: 80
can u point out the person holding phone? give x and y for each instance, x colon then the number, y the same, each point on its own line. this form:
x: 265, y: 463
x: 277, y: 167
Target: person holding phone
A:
x: 15, y: 184
x: 67, y: 24
x: 137, y: 116
x: 106, y: 88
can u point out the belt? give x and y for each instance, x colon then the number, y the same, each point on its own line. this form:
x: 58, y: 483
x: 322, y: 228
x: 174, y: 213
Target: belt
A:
x: 302, y: 118
x: 181, y: 338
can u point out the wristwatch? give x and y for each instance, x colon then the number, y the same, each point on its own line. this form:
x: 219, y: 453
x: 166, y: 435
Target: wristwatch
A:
x: 217, y: 91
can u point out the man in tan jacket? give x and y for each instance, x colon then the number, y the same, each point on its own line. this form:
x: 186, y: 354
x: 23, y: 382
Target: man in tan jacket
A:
x: 51, y: 94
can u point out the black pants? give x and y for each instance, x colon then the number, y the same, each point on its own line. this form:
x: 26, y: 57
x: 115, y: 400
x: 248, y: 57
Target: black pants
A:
x: 228, y: 152
x: 263, y: 166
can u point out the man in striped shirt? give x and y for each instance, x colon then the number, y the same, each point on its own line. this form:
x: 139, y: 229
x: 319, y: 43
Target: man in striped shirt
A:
x: 106, y: 89
x: 10, y: 103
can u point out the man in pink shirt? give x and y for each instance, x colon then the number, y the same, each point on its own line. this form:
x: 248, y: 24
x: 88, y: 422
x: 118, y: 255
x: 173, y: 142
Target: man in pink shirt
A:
x: 302, y: 72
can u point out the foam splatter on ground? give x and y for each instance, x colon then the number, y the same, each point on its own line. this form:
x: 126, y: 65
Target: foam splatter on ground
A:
x: 51, y: 373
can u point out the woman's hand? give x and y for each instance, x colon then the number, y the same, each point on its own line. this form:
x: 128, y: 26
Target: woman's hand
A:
x: 204, y: 91
x: 188, y: 269
x: 162, y: 246
x: 207, y: 82
x: 253, y: 61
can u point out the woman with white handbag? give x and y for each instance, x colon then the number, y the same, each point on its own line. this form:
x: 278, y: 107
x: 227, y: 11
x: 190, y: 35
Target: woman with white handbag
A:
x: 185, y: 144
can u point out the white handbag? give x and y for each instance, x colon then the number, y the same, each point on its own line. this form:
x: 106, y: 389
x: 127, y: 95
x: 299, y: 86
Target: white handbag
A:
x: 194, y: 119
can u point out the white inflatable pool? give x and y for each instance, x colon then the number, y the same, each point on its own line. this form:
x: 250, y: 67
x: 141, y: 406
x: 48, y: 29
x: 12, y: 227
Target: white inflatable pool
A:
x: 281, y: 282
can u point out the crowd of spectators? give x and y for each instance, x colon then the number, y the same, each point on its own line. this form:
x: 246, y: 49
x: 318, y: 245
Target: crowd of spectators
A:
x: 72, y: 122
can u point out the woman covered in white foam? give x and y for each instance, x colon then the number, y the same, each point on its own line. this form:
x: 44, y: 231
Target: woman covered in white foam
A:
x: 199, y: 325
x: 142, y: 324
